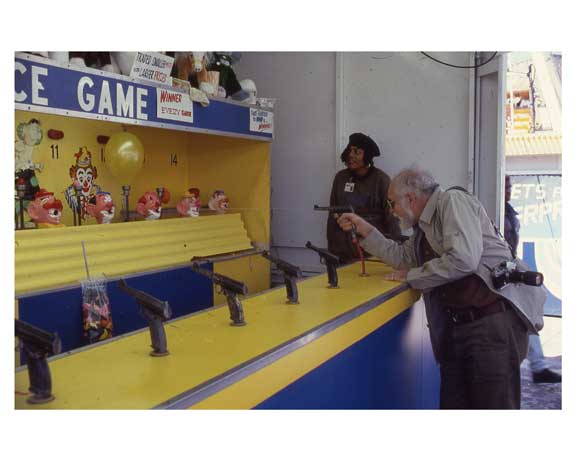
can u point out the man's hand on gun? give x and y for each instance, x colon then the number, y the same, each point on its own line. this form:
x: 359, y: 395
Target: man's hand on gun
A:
x: 351, y: 221
x: 397, y: 276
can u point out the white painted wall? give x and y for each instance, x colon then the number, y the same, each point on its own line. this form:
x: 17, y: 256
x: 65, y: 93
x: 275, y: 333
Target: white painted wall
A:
x: 416, y: 110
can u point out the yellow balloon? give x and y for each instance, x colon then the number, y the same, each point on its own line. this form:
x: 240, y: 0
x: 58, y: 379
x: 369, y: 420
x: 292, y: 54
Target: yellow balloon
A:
x: 124, y: 156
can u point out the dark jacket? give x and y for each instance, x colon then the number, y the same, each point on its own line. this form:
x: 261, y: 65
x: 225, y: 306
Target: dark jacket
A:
x: 511, y: 228
x: 369, y: 199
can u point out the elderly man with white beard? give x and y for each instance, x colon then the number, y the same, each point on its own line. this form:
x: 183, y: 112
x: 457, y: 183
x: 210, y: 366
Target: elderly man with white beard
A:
x: 479, y: 334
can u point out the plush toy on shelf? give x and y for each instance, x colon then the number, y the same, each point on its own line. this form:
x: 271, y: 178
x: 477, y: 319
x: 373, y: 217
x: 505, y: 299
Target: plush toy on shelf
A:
x: 189, y: 73
x: 190, y: 203
x: 219, y: 202
x: 123, y: 60
x: 101, y: 207
x: 94, y: 59
x: 249, y: 87
x: 117, y: 62
x: 222, y: 62
x: 150, y: 206
x: 191, y: 66
x: 45, y: 210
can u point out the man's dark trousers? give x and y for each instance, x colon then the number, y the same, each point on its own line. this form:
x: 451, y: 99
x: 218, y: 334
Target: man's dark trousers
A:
x: 480, y: 365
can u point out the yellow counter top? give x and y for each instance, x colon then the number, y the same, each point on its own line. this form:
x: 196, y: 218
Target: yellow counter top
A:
x: 120, y: 373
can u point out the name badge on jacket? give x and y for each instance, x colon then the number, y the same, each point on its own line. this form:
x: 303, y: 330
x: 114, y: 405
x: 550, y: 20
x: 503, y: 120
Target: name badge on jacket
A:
x: 349, y: 187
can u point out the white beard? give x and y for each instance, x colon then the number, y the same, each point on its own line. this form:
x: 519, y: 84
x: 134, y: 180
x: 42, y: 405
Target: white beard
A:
x: 408, y: 221
x: 405, y: 224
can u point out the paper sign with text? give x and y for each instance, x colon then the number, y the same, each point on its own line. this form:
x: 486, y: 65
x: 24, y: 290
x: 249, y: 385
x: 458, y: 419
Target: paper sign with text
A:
x: 154, y: 67
x: 173, y: 105
x: 261, y: 121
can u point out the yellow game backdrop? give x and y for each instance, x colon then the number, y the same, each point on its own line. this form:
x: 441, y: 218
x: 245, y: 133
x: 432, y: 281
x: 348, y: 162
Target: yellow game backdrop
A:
x: 175, y: 160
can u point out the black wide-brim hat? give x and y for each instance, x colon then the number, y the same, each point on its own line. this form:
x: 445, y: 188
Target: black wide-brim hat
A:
x: 364, y: 142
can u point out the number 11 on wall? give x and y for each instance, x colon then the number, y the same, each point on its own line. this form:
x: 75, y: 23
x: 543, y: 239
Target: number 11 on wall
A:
x: 55, y: 153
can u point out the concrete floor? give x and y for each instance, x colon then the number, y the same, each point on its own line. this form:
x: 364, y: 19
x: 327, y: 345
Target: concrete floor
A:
x: 551, y: 336
x: 545, y: 396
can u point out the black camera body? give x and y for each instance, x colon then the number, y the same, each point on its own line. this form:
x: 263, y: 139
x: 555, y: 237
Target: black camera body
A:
x: 508, y: 272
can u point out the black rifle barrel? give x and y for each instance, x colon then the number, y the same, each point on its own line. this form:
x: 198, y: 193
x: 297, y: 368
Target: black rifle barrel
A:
x: 154, y: 305
x: 289, y: 269
x: 329, y: 257
x: 226, y: 283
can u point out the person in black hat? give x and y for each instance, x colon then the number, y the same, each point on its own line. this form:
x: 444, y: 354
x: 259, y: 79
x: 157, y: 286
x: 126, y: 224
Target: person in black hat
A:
x: 365, y: 187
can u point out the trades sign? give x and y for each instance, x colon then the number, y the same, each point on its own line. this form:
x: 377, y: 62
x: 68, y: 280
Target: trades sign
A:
x: 154, y: 67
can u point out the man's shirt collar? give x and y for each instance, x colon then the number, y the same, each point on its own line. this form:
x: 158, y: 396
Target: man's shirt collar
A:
x: 430, y: 208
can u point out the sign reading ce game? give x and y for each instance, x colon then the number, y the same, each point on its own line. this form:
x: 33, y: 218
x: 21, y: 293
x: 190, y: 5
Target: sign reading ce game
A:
x: 44, y: 86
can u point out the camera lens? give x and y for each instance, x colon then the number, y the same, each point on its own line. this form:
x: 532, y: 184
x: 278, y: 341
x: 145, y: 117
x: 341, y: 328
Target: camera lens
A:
x: 534, y: 279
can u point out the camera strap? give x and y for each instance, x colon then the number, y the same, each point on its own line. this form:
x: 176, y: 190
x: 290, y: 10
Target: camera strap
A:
x: 496, y: 230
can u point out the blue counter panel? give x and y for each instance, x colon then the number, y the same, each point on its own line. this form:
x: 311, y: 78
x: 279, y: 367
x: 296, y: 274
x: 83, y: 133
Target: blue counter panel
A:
x: 392, y: 368
x: 61, y: 311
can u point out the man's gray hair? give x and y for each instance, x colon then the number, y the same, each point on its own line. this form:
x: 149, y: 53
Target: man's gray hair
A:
x: 415, y: 180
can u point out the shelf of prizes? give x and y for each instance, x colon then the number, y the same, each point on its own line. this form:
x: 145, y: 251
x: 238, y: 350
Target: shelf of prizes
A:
x: 106, y: 189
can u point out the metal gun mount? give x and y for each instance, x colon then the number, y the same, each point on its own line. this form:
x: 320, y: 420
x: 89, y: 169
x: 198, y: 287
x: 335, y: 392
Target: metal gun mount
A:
x: 231, y: 289
x: 155, y: 311
x: 331, y: 261
x: 336, y: 210
x: 291, y: 273
x: 38, y: 344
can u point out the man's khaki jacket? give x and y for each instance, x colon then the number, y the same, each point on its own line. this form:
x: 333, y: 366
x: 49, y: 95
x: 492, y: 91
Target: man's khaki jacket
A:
x: 460, y: 232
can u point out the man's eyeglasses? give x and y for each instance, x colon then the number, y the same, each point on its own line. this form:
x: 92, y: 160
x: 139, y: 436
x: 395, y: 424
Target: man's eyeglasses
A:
x: 391, y: 203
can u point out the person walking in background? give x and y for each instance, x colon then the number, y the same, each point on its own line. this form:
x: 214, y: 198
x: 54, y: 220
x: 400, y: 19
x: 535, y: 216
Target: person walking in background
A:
x: 365, y: 187
x: 541, y: 372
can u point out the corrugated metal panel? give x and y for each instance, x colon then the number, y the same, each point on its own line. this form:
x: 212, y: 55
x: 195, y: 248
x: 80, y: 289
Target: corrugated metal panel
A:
x: 534, y: 144
x: 522, y: 121
x: 50, y: 258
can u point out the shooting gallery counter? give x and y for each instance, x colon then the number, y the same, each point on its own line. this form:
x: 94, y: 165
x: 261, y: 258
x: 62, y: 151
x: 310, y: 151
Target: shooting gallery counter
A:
x: 362, y: 345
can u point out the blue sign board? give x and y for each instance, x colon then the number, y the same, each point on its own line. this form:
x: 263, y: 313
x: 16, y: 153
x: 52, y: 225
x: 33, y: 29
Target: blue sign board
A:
x: 52, y: 88
x: 537, y: 199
